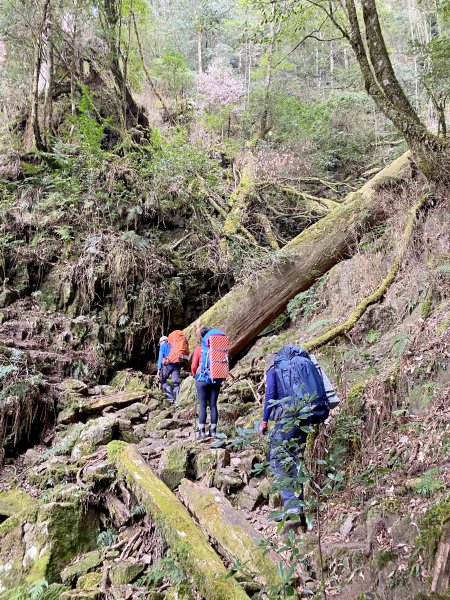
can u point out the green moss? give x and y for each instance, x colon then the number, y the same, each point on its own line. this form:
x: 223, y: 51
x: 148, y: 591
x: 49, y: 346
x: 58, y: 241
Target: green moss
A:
x: 83, y: 565
x: 432, y: 526
x: 115, y: 449
x: 354, y: 399
x: 39, y: 568
x: 130, y: 381
x: 427, y: 304
x: 26, y: 516
x: 89, y: 581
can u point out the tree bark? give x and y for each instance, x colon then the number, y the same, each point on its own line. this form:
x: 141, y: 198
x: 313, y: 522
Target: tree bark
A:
x: 135, y: 114
x: 432, y: 152
x: 36, y: 74
x: 48, y: 100
x: 248, y: 308
x: 235, y: 537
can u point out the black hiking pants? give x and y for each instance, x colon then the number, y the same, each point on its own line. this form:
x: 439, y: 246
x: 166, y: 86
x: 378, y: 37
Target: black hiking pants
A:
x: 207, y: 395
x: 172, y: 371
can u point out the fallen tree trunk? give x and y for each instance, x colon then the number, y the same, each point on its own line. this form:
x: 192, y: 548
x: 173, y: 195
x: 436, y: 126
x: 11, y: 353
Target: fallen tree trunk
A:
x: 249, y: 307
x: 185, y: 538
x: 235, y: 537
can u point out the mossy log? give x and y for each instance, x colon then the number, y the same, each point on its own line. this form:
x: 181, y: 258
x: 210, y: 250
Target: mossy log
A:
x: 236, y: 538
x: 381, y: 290
x: 185, y: 538
x: 249, y: 307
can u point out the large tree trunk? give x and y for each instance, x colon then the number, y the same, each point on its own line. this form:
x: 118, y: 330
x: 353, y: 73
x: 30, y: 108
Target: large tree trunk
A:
x: 248, y: 308
x: 432, y: 152
x: 36, y: 75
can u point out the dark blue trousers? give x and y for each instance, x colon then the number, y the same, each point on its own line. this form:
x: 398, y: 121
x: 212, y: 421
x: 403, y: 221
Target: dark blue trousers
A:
x: 284, y: 462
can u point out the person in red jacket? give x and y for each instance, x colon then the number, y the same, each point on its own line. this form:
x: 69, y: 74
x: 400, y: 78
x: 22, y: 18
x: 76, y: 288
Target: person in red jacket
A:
x: 207, y: 393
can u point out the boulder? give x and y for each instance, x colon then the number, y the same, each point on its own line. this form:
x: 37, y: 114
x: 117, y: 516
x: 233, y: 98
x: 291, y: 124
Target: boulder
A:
x: 37, y: 544
x: 171, y: 424
x: 209, y: 459
x: 131, y: 381
x: 249, y: 498
x: 188, y: 393
x: 95, y: 433
x: 227, y: 480
x: 134, y: 412
x: 90, y: 581
x: 155, y: 419
x: 173, y: 465
x: 125, y: 572
x: 75, y: 385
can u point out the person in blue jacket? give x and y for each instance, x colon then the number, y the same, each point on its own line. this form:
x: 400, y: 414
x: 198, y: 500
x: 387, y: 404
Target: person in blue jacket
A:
x: 273, y: 410
x: 168, y: 370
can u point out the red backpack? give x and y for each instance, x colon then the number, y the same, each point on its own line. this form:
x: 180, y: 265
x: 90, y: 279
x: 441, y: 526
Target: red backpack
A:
x: 179, y: 348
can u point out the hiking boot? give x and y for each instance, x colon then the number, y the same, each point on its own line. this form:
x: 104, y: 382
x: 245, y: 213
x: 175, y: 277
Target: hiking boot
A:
x: 202, y: 433
x: 213, y: 431
x: 169, y: 396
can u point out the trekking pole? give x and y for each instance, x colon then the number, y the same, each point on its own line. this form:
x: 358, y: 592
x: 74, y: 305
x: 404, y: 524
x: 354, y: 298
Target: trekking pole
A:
x: 195, y: 417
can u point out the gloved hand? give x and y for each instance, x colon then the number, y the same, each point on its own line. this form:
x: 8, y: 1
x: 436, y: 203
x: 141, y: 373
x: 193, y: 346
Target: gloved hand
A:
x: 263, y: 427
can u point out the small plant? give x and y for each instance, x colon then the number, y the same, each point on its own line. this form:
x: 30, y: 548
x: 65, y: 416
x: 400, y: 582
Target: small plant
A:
x: 373, y: 336
x: 165, y: 569
x: 106, y: 538
x: 429, y: 483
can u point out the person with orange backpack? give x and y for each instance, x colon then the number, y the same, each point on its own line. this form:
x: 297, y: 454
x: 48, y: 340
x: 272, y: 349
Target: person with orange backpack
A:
x: 210, y: 368
x: 173, y: 354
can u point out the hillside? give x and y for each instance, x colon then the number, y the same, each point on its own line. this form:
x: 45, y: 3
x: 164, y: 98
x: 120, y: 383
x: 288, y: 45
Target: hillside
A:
x: 277, y: 170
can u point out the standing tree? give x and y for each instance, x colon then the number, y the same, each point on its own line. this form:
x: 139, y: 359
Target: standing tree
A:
x: 360, y: 26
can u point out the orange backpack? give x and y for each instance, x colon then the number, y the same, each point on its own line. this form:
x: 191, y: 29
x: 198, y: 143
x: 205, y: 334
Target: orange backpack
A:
x: 179, y: 348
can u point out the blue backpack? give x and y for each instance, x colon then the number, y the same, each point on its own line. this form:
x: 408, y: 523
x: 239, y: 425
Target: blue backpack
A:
x: 301, y: 383
x: 205, y: 365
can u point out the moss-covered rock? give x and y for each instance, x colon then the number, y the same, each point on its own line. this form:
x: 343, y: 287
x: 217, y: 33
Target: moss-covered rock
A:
x: 249, y: 498
x: 125, y: 571
x: 14, y: 501
x: 37, y: 544
x: 173, y: 465
x: 96, y: 432
x: 89, y: 581
x: 130, y: 381
x: 188, y: 393
x: 209, y: 459
x: 134, y: 412
x: 82, y: 565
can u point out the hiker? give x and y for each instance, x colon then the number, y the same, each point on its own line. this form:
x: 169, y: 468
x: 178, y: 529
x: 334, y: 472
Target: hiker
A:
x: 294, y: 378
x: 209, y: 366
x: 173, y: 354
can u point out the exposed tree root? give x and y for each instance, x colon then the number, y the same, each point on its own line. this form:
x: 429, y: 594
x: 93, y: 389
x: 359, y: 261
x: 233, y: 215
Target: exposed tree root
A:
x: 378, y: 294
